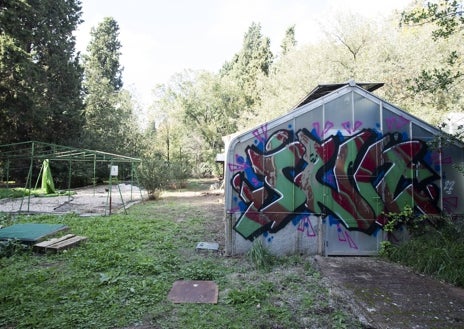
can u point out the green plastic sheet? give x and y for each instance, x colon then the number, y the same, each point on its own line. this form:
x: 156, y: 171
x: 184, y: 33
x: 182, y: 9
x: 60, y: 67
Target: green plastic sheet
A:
x: 47, y: 180
x: 30, y: 232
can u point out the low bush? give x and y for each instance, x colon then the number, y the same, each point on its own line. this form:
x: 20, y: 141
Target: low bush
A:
x: 438, y: 250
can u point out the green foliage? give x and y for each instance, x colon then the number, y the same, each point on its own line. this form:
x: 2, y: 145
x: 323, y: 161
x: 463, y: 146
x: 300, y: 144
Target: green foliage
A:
x: 385, y: 248
x: 102, y: 62
x: 191, y: 115
x: 446, y: 14
x: 248, y: 296
x: 260, y: 256
x: 443, y: 80
x: 40, y: 74
x: 407, y: 218
x: 289, y: 41
x: 250, y: 63
x: 154, y: 174
x: 110, y: 124
x: 12, y: 247
x: 201, y: 270
x: 438, y: 252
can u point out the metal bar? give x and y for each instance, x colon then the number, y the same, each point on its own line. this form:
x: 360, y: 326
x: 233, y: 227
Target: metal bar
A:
x: 69, y: 180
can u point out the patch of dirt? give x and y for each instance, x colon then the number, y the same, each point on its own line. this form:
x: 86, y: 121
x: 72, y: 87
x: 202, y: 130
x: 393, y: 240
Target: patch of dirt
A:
x: 388, y: 296
x: 211, y: 203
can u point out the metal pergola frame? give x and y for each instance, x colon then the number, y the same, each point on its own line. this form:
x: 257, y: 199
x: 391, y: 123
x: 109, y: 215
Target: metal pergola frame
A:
x: 34, y: 150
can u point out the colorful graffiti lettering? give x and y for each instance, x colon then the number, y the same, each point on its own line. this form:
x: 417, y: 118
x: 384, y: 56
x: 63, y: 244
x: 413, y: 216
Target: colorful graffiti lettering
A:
x: 356, y: 179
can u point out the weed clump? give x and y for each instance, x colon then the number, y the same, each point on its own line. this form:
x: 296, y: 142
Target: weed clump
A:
x: 436, y: 249
x: 260, y: 256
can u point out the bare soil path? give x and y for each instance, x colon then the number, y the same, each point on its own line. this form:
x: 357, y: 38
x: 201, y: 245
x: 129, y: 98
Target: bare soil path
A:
x: 390, y: 296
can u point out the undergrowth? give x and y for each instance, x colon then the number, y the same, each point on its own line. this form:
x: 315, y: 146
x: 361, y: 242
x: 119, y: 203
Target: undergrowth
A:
x: 435, y: 248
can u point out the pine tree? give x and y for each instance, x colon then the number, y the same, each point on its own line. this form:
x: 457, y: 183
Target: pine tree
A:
x: 108, y: 109
x: 289, y: 41
x: 40, y: 75
x: 253, y: 60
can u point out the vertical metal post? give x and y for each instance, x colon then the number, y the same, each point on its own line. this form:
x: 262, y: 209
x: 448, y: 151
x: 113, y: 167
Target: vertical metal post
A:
x: 110, y: 188
x: 132, y: 179
x: 122, y: 199
x: 28, y: 180
x: 138, y: 182
x: 38, y: 177
x: 69, y: 180
x: 8, y: 174
x: 94, y: 173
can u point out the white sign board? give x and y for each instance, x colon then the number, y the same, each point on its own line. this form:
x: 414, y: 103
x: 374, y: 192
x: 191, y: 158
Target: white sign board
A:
x: 114, y: 170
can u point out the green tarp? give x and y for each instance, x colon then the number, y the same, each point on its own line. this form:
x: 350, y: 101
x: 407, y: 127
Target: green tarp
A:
x: 47, y: 179
x: 30, y: 232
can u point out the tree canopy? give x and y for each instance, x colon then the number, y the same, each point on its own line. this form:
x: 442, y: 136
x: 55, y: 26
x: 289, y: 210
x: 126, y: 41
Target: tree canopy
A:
x: 443, y: 80
x: 49, y: 93
x: 40, y: 74
x: 109, y: 121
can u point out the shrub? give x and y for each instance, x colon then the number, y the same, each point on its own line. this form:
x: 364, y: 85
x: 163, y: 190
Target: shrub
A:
x: 413, y: 222
x: 438, y: 251
x: 11, y: 247
x: 153, y: 174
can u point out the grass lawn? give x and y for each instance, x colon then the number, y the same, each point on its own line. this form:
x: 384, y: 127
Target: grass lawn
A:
x: 121, y: 276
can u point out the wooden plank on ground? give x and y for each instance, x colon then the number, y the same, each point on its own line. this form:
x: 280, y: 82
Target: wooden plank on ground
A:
x: 47, y: 243
x: 71, y: 242
x: 67, y: 241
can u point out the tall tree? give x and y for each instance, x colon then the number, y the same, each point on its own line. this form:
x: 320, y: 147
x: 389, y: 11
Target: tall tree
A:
x: 289, y: 41
x: 102, y: 61
x: 253, y: 60
x: 40, y: 75
x: 352, y: 34
x: 108, y: 110
x: 193, y: 112
x: 392, y: 55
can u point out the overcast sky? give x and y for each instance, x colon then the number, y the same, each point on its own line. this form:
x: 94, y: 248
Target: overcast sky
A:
x: 162, y: 37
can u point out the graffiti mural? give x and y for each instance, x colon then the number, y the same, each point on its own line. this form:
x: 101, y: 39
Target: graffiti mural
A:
x: 356, y: 179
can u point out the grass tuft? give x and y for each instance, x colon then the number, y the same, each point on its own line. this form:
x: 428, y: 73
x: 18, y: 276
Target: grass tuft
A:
x: 260, y: 256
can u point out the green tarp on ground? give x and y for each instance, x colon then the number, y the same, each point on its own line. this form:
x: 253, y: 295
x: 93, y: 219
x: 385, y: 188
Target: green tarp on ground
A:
x: 30, y: 232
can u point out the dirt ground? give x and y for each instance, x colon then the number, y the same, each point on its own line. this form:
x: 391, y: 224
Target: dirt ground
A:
x: 383, y: 295
x: 387, y: 295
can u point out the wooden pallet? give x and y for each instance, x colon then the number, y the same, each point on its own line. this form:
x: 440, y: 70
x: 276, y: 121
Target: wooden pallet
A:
x: 57, y: 244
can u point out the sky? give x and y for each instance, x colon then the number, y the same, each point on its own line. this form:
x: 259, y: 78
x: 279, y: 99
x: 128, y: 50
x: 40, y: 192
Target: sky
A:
x: 162, y: 37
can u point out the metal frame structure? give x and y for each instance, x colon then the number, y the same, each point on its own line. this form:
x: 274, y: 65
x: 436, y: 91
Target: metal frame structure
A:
x: 34, y: 150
